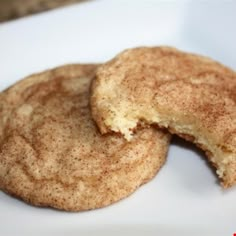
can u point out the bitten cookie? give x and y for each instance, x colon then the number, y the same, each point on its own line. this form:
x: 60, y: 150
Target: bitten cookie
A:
x: 190, y: 95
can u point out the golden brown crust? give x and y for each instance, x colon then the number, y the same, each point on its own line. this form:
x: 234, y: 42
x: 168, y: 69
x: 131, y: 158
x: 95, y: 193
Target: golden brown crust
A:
x: 51, y: 153
x: 191, y: 95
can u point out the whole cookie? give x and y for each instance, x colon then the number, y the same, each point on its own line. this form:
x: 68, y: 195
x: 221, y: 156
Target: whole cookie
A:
x: 191, y: 95
x: 52, y: 154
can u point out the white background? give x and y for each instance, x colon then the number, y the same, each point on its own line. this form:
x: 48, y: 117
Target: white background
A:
x: 185, y: 198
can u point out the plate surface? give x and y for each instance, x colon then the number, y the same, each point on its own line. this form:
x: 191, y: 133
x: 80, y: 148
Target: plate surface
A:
x: 185, y: 198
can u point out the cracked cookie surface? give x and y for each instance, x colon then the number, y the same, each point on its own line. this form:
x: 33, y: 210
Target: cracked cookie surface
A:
x: 52, y: 154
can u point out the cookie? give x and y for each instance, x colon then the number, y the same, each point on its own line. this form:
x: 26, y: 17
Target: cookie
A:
x: 53, y: 155
x: 190, y: 95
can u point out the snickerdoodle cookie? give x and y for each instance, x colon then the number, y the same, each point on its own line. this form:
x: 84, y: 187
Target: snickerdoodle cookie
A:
x: 190, y: 95
x: 52, y: 154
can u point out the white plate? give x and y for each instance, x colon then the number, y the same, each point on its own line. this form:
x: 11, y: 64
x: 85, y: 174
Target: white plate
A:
x: 185, y: 198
